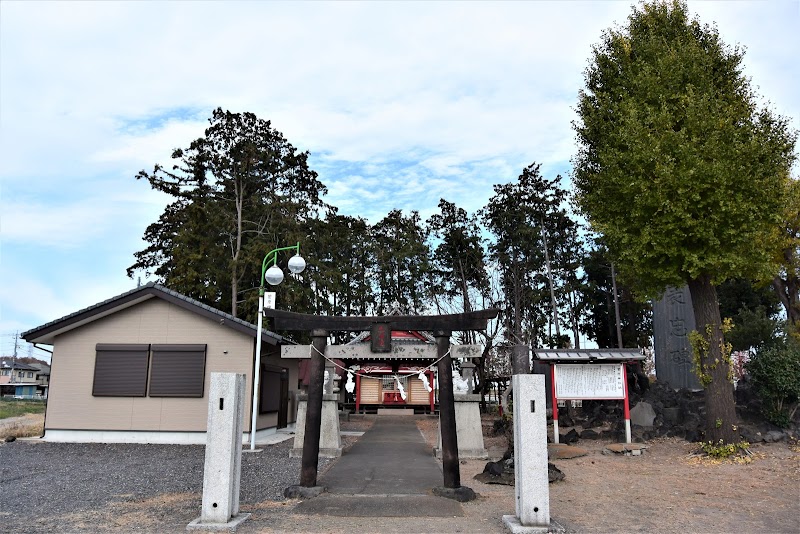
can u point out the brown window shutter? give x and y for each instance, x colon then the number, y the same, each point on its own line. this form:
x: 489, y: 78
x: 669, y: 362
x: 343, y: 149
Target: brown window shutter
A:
x: 270, y: 391
x: 178, y: 371
x: 120, y: 370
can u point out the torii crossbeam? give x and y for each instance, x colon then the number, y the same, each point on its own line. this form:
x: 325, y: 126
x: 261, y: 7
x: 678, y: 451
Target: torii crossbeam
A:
x: 441, y: 326
x: 456, y: 322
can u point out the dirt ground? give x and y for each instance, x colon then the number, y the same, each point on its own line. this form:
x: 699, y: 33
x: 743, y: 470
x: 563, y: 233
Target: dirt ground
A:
x: 667, y: 489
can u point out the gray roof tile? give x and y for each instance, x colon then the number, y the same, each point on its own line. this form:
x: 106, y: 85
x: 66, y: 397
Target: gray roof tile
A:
x: 587, y: 355
x: 153, y: 289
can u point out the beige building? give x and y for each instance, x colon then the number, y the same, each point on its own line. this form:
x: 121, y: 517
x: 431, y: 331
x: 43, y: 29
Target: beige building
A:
x: 136, y: 369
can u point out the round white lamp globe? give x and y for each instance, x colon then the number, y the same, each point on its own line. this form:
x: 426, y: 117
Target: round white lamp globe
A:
x: 297, y: 264
x: 274, y: 275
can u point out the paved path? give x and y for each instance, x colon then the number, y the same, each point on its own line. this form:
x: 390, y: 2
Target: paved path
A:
x: 389, y: 472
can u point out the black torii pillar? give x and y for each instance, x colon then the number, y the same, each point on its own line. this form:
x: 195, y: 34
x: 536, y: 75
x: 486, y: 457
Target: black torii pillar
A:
x: 447, y: 411
x: 310, y: 459
x: 442, y: 327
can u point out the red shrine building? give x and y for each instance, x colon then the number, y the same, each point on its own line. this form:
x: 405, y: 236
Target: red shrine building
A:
x: 372, y: 373
x: 382, y: 368
x: 384, y: 380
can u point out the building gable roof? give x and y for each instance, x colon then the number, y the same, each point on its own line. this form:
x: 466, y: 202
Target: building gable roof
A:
x: 8, y: 362
x: 402, y: 336
x: 47, y: 332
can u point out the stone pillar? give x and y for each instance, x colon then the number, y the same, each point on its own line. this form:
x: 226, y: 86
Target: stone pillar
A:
x: 223, y: 463
x: 468, y: 374
x: 331, y: 370
x: 530, y: 456
x: 673, y: 319
x: 469, y: 431
x: 330, y: 441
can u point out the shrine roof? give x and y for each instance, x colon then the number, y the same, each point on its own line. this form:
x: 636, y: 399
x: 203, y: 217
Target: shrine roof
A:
x: 402, y: 336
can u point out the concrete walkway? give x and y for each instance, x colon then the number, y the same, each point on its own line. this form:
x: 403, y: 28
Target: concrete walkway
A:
x: 389, y: 472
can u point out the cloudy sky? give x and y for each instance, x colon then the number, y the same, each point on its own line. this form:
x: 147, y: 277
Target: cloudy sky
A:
x: 399, y: 104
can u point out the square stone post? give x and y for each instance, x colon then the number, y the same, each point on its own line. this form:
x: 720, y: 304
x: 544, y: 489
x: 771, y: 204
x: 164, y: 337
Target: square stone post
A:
x: 469, y: 431
x: 223, y: 463
x: 530, y: 456
x: 330, y: 440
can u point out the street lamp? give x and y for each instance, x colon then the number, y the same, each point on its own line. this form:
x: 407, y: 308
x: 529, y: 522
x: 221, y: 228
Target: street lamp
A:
x: 274, y: 276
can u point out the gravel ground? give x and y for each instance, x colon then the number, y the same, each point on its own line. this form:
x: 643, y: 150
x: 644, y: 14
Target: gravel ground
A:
x: 46, y: 487
x: 88, y: 488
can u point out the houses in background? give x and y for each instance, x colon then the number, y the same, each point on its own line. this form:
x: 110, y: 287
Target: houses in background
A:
x: 23, y: 379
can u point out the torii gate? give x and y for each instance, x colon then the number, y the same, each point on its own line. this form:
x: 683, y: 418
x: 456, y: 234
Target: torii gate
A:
x: 442, y: 327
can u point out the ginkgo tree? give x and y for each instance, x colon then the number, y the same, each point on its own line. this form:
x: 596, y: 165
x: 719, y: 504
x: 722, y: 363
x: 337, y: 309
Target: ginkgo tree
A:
x: 681, y: 172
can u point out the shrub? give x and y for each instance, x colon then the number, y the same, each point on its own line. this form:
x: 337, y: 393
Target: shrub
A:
x: 722, y: 450
x: 503, y: 425
x: 775, y: 372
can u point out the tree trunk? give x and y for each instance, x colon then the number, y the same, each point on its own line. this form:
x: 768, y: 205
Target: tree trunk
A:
x: 517, y: 299
x: 609, y: 322
x: 552, y: 289
x: 788, y: 291
x: 617, y: 318
x: 573, y: 303
x: 234, y: 288
x: 720, y: 406
x: 239, y: 193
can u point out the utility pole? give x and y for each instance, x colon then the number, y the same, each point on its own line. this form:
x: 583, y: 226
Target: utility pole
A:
x: 14, y: 360
x: 550, y: 279
x: 616, y: 304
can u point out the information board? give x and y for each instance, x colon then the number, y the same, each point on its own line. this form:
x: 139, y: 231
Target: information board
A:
x: 589, y: 381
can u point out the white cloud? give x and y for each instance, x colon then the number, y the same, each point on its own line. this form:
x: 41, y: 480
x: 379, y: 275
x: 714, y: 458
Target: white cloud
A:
x: 144, y: 147
x: 65, y: 226
x: 40, y: 301
x: 399, y: 103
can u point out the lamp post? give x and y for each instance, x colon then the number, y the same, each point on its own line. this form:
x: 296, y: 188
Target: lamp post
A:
x: 274, y: 276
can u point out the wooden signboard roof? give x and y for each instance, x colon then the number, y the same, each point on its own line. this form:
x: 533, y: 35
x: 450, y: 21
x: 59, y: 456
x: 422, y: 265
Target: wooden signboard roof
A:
x: 587, y: 355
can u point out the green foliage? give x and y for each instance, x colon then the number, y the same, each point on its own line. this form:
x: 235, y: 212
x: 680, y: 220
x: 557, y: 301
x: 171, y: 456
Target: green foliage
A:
x: 703, y: 364
x: 636, y: 318
x: 401, y: 262
x: 240, y: 191
x: 754, y: 309
x: 339, y: 256
x: 722, y: 450
x: 775, y: 372
x: 786, y: 281
x: 503, y: 425
x: 753, y: 329
x: 677, y: 169
x: 518, y: 216
x: 736, y: 294
x: 458, y: 260
x: 15, y: 408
